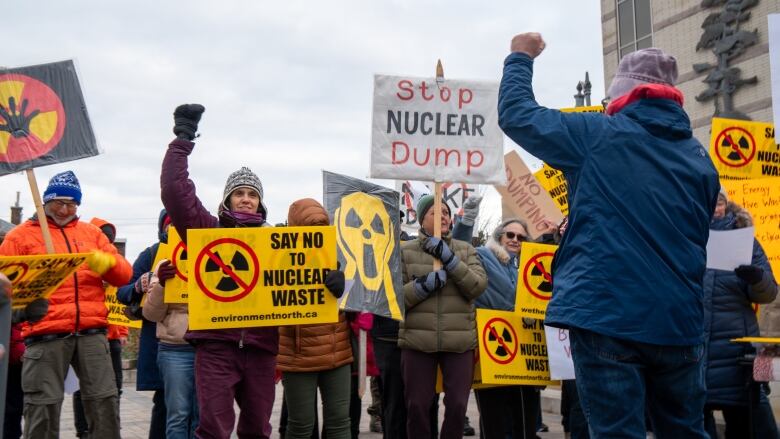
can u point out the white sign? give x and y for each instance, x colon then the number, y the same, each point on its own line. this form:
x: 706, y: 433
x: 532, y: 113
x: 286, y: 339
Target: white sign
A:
x: 429, y: 131
x: 559, y: 353
x: 727, y: 250
x: 774, y: 64
x: 454, y: 194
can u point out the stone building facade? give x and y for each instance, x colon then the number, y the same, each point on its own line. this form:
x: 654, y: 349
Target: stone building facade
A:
x: 678, y: 27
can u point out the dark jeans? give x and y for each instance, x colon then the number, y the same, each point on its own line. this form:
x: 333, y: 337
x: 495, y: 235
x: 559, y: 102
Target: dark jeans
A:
x: 616, y: 378
x: 736, y: 419
x: 159, y: 416
x: 419, y: 372
x: 572, y: 417
x: 517, y: 406
x: 14, y: 403
x: 388, y: 359
x: 79, y: 419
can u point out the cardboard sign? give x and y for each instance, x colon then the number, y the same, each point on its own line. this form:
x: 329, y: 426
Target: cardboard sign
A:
x: 424, y: 130
x: 743, y: 149
x: 38, y: 276
x: 177, y: 288
x: 559, y: 353
x: 263, y: 276
x: 116, y: 315
x: 534, y: 279
x: 761, y: 197
x: 44, y: 117
x: 510, y: 350
x: 553, y: 181
x: 526, y: 197
x: 454, y: 194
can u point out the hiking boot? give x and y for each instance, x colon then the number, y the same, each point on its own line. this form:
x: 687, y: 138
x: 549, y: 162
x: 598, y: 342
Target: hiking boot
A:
x: 468, y: 430
x: 375, y: 425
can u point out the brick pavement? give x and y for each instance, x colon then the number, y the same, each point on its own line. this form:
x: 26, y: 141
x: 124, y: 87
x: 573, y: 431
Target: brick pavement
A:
x: 136, y: 410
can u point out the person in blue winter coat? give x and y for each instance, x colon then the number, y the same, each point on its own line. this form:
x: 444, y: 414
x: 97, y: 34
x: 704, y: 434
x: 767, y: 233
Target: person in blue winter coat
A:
x: 148, y: 375
x: 728, y: 303
x: 629, y: 270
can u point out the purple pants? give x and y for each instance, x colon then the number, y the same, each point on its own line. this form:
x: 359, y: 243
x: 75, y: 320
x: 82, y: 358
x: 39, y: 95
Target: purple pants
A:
x: 223, y: 373
x: 419, y: 373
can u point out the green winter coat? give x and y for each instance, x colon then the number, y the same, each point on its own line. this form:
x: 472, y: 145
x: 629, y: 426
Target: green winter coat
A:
x: 445, y: 321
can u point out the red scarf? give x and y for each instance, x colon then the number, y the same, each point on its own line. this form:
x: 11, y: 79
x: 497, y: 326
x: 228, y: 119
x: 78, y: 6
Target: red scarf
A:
x: 645, y: 91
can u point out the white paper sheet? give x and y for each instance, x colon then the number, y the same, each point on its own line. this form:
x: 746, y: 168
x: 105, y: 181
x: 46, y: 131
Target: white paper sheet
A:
x: 559, y: 353
x: 727, y: 250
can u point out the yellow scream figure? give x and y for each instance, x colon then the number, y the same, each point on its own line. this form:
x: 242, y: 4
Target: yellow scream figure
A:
x: 366, y: 238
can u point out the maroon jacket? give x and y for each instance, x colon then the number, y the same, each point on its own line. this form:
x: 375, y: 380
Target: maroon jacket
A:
x: 17, y: 344
x: 187, y: 212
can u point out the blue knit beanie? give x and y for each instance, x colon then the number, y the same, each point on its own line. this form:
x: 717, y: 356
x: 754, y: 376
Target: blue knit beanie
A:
x: 63, y: 185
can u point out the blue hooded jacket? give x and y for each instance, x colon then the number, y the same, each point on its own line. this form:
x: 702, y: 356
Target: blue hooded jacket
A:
x: 642, y: 191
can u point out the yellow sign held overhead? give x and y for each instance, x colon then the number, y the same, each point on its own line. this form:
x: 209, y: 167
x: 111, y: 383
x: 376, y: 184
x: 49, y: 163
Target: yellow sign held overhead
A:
x: 743, y: 149
x: 269, y: 276
x: 590, y: 109
x: 534, y: 279
x: 38, y: 276
x: 116, y: 315
x: 553, y: 181
x: 511, y: 351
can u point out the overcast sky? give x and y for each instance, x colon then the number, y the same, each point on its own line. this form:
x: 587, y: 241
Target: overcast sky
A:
x: 287, y: 85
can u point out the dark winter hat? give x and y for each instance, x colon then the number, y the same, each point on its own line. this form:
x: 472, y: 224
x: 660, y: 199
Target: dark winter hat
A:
x: 644, y: 66
x: 63, y: 186
x: 424, y: 203
x: 244, y: 177
x: 723, y: 193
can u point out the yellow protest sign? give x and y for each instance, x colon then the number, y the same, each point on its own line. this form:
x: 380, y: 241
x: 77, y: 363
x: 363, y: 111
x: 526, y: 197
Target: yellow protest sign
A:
x: 534, y: 279
x: 511, y: 351
x: 176, y: 288
x: 744, y: 149
x: 553, y: 181
x: 116, y: 315
x: 265, y: 276
x: 590, y: 109
x: 761, y: 197
x: 35, y: 277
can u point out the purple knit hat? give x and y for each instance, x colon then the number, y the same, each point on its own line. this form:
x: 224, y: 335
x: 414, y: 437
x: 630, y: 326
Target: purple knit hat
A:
x: 641, y: 67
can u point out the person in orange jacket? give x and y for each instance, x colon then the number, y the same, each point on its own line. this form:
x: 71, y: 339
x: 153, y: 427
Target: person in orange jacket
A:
x: 73, y: 331
x: 117, y: 337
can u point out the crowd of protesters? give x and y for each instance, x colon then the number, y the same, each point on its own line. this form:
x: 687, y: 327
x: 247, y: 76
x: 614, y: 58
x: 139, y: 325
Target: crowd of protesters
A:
x: 650, y: 324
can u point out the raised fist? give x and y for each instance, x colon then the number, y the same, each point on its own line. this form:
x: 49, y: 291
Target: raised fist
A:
x: 530, y: 43
x: 185, y: 120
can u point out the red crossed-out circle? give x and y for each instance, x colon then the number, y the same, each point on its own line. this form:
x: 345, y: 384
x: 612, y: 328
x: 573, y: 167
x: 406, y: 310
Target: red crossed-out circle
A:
x: 728, y: 135
x: 535, y: 261
x: 489, y: 329
x: 13, y: 269
x: 176, y: 259
x: 207, y: 253
x: 46, y: 127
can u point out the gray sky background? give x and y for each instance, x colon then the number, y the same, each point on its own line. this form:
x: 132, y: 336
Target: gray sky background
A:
x: 287, y: 85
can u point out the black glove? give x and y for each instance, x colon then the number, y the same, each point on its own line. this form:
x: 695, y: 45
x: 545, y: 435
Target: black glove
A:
x: 185, y: 120
x: 33, y: 312
x: 751, y: 274
x: 334, y: 281
x: 433, y: 281
x: 166, y: 270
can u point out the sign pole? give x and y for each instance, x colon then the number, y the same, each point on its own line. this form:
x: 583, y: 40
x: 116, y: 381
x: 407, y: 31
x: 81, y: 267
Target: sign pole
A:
x: 39, y: 210
x: 437, y: 184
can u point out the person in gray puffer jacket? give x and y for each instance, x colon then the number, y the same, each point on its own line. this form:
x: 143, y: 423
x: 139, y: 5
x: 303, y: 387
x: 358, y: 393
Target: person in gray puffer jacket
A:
x: 728, y: 303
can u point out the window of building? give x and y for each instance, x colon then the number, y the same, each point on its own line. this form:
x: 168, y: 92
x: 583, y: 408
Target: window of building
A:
x: 635, y: 26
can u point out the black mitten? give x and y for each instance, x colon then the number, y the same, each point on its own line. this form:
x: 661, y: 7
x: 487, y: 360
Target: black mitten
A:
x: 185, y: 120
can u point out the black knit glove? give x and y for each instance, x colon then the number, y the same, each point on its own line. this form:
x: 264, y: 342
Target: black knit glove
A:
x: 334, y: 282
x: 185, y: 120
x: 430, y: 283
x: 33, y: 312
x: 751, y: 274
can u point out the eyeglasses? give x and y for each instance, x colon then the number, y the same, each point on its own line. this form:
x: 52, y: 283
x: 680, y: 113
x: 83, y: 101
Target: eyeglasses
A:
x: 59, y: 204
x: 513, y: 235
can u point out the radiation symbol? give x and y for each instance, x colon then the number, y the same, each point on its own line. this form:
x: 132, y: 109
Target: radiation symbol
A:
x: 15, y: 271
x: 500, y: 340
x: 537, y: 275
x: 32, y: 118
x: 735, y: 147
x: 179, y: 260
x: 227, y: 270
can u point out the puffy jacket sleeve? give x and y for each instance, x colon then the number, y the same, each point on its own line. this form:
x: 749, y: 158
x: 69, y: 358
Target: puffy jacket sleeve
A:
x: 411, y: 299
x: 462, y: 232
x: 469, y: 275
x: 562, y: 140
x: 766, y: 290
x: 155, y: 307
x: 142, y: 265
x: 10, y: 246
x: 178, y: 191
x: 122, y: 271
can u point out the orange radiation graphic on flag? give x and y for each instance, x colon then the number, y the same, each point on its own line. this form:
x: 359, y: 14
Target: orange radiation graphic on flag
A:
x: 32, y: 118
